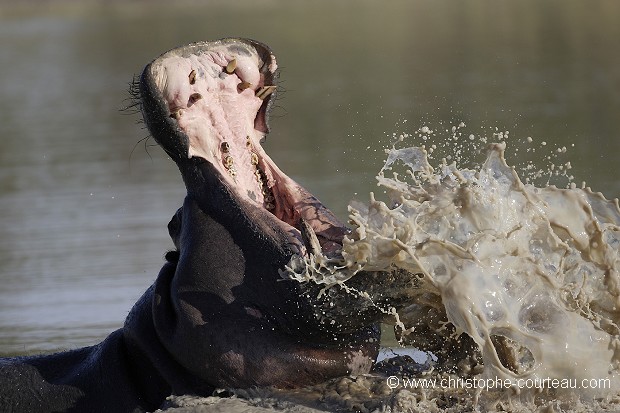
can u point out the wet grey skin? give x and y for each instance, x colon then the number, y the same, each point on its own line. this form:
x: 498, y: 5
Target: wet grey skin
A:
x: 220, y: 314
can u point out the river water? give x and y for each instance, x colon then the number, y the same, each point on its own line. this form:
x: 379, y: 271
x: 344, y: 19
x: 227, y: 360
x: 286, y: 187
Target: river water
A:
x: 85, y: 201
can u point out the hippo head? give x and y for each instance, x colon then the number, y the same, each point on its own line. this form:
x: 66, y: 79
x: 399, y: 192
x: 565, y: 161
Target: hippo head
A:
x: 207, y: 105
x: 222, y: 309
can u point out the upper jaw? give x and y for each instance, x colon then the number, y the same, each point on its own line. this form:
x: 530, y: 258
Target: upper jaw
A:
x: 208, y: 79
x: 209, y: 102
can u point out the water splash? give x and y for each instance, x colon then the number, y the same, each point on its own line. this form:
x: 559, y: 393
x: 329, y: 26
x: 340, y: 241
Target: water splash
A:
x: 529, y: 274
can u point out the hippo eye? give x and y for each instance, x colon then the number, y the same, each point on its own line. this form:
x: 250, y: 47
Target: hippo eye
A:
x: 192, y: 77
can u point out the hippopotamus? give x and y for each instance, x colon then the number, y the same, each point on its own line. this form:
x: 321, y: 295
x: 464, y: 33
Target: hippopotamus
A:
x: 220, y: 314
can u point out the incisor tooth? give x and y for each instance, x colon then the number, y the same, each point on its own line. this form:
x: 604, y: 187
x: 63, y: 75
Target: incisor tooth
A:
x: 254, y: 159
x: 231, y: 66
x: 176, y: 114
x: 195, y: 97
x: 243, y: 86
x: 265, y: 91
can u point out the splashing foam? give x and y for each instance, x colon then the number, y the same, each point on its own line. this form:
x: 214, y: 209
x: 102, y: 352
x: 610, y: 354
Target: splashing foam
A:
x: 530, y: 274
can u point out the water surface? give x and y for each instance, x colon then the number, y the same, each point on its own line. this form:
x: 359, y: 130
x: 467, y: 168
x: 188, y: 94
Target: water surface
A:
x: 85, y: 202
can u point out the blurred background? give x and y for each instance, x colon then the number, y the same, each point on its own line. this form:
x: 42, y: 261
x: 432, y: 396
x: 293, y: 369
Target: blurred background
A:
x: 85, y: 199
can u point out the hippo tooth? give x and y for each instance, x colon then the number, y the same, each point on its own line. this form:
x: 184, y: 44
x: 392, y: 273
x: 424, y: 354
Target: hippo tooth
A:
x: 262, y: 177
x: 243, y: 86
x: 228, y: 162
x: 229, y: 165
x: 194, y: 97
x: 265, y: 91
x: 231, y: 66
x: 309, y: 237
x: 192, y: 77
x: 225, y: 147
x: 176, y: 114
x: 254, y: 159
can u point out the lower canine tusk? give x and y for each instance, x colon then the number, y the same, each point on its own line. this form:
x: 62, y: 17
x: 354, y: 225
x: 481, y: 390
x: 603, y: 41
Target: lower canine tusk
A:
x: 309, y: 237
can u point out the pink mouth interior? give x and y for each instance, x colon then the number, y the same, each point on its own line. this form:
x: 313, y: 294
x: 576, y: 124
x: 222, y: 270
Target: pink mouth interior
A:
x: 216, y: 97
x: 217, y: 111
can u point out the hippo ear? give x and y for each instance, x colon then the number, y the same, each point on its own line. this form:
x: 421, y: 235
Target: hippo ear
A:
x: 174, y: 227
x: 269, y: 74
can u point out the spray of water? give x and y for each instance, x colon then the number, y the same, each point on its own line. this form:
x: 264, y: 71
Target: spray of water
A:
x: 514, y: 281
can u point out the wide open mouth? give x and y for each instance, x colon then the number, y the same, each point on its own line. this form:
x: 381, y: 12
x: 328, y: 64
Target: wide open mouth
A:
x: 210, y: 100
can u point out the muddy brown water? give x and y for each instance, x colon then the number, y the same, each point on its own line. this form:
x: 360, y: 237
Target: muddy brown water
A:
x: 84, y: 202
